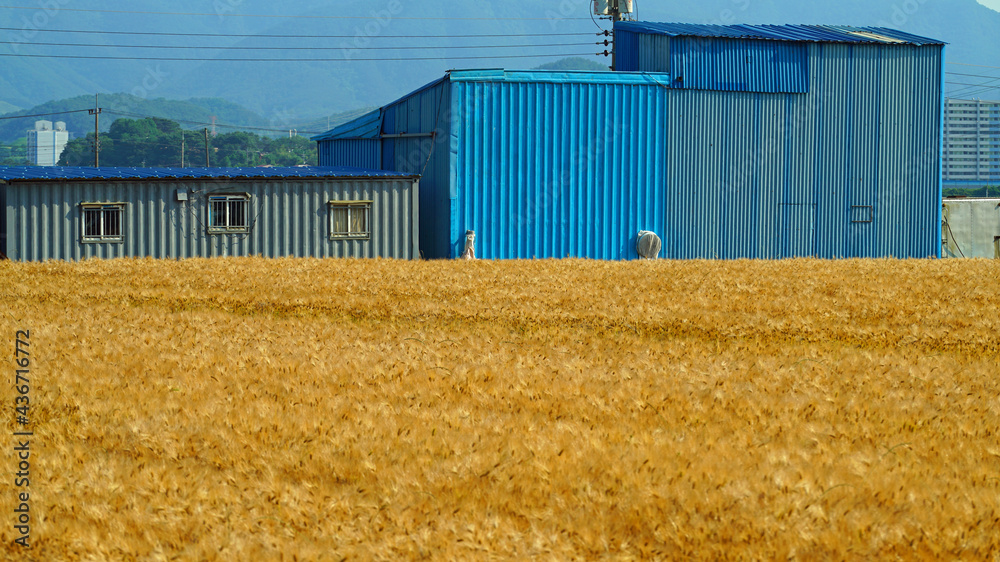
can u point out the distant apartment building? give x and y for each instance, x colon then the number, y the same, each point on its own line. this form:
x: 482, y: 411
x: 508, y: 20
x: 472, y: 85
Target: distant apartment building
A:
x: 971, y: 156
x: 46, y: 143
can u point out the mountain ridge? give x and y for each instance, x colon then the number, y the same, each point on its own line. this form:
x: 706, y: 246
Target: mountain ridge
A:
x: 284, y: 94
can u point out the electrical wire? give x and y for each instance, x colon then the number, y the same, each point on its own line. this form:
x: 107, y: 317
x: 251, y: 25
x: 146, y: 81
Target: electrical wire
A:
x: 952, y: 234
x: 45, y: 114
x: 202, y: 124
x: 351, y: 48
x: 344, y: 59
x: 970, y: 90
x: 282, y: 16
x: 988, y: 87
x: 973, y: 75
x: 285, y: 36
x: 976, y: 65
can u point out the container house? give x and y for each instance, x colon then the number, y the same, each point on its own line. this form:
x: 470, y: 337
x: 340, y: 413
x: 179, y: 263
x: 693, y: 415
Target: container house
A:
x: 63, y: 213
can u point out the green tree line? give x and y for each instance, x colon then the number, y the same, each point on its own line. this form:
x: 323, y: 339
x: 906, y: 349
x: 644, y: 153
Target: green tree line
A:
x: 154, y: 142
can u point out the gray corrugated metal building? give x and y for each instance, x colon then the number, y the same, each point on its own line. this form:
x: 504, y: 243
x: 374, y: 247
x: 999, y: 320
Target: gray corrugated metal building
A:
x: 77, y: 213
x: 727, y: 141
x: 971, y: 228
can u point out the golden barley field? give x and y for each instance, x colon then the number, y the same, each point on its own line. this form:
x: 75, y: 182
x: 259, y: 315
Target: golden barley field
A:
x: 296, y: 409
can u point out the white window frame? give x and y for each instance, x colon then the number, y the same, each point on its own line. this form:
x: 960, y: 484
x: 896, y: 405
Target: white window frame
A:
x: 227, y: 202
x: 106, y: 231
x: 352, y: 207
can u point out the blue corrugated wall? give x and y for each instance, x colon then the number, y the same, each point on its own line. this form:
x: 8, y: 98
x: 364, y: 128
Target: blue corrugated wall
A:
x: 555, y: 165
x: 732, y: 65
x: 3, y: 219
x: 574, y: 169
x: 365, y: 153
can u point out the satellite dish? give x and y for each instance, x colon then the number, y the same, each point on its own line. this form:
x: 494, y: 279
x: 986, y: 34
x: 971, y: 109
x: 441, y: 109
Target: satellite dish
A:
x: 648, y: 245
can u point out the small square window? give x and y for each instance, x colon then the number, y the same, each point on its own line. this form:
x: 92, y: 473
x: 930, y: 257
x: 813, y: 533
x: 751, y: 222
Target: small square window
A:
x: 350, y: 220
x: 228, y: 213
x: 862, y: 213
x: 102, y: 222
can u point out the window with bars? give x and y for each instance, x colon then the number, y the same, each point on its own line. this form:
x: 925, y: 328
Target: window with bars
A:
x: 350, y: 220
x: 228, y: 213
x: 102, y: 222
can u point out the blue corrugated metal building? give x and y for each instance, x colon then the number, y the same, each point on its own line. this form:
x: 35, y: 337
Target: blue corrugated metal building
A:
x: 727, y: 141
x: 70, y: 213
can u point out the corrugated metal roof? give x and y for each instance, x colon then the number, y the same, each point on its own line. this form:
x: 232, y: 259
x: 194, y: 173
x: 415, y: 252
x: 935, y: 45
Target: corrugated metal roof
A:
x: 809, y: 33
x: 555, y: 77
x: 49, y: 173
x: 370, y: 125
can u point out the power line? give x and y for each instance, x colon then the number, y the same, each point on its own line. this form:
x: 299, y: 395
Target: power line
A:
x: 977, y: 65
x: 974, y: 75
x: 285, y: 36
x: 986, y: 86
x: 298, y: 48
x: 46, y: 114
x: 343, y: 59
x: 970, y: 89
x: 311, y: 17
x: 201, y: 124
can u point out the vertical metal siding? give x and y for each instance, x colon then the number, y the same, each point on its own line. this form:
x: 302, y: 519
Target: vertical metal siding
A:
x: 654, y: 53
x: 360, y: 153
x: 288, y: 218
x: 427, y: 111
x: 4, y: 211
x: 627, y: 51
x: 732, y: 65
x: 556, y: 169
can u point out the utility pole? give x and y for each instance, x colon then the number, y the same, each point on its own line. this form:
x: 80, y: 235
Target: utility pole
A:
x: 96, y: 112
x: 182, y: 149
x: 616, y: 12
x: 207, y: 165
x: 616, y: 16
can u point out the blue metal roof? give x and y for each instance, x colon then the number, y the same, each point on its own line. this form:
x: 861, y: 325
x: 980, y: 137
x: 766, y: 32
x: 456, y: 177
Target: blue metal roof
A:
x: 369, y: 126
x: 808, y: 33
x: 56, y: 173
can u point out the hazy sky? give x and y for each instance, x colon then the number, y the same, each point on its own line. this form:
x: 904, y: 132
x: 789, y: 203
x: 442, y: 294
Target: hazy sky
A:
x: 995, y: 4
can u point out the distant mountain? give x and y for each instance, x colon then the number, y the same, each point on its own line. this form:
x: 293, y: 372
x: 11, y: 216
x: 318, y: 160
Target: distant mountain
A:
x: 193, y: 114
x: 323, y: 124
x: 574, y: 63
x: 348, y: 35
x: 8, y: 107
